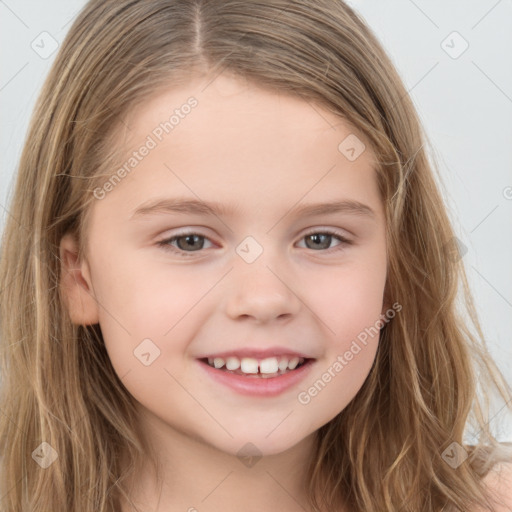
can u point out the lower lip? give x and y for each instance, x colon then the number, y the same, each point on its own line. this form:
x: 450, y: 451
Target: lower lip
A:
x: 259, y: 386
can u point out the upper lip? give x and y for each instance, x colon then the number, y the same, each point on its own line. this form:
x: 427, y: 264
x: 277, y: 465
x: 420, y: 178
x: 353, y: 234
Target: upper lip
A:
x: 257, y: 353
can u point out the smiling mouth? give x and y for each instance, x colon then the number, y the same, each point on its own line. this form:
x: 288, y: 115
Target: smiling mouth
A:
x: 252, y: 368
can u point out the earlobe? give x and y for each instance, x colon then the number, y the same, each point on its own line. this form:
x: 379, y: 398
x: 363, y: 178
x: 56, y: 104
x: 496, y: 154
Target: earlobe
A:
x: 385, y: 309
x: 75, y: 284
x: 385, y: 306
x: 386, y: 301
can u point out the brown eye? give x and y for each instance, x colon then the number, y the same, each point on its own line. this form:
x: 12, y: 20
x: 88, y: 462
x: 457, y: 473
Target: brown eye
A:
x: 321, y: 240
x: 193, y: 242
x: 186, y: 243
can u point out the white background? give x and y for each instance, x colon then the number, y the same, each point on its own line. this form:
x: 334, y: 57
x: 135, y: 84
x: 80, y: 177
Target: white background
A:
x: 465, y: 104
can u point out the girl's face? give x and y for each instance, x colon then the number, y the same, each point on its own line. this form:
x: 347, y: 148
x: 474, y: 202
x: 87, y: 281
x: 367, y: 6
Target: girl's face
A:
x: 236, y: 258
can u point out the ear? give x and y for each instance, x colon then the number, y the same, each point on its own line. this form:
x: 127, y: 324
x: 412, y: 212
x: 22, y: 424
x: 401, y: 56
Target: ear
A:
x: 385, y: 307
x: 76, y: 285
x: 386, y: 300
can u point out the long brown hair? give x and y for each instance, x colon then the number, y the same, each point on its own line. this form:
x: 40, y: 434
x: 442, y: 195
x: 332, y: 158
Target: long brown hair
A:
x: 387, y: 450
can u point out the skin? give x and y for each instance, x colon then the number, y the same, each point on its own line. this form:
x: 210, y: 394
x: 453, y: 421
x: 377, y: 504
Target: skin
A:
x: 260, y: 153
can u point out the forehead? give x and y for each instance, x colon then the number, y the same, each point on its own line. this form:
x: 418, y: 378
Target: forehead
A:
x: 234, y: 110
x: 227, y: 139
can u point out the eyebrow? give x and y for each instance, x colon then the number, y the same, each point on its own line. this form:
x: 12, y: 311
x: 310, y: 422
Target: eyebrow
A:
x: 193, y: 206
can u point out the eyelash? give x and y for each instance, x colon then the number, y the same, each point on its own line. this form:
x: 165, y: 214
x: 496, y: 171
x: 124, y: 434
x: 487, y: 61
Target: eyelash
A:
x: 165, y: 244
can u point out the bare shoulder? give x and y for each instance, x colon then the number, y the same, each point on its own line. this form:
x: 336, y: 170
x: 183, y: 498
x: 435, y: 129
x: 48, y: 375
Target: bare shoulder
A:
x: 499, y: 483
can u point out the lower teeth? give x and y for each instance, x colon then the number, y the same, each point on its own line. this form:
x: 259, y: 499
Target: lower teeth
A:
x: 258, y: 375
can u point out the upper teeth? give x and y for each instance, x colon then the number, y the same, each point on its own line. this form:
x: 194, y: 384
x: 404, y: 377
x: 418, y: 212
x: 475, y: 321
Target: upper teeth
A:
x: 250, y: 364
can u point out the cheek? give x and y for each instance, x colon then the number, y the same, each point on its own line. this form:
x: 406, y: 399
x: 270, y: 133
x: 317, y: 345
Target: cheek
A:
x: 335, y: 384
x: 348, y: 303
x: 159, y: 305
x: 347, y: 299
x: 150, y: 296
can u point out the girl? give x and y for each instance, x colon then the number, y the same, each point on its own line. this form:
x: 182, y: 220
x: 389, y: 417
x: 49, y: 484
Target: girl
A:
x: 234, y: 286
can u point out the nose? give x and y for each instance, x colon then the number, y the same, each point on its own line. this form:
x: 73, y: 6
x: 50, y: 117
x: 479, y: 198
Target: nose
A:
x: 261, y: 293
